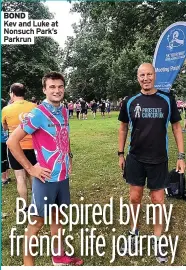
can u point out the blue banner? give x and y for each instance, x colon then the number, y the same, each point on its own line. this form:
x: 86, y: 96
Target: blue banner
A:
x: 169, y: 55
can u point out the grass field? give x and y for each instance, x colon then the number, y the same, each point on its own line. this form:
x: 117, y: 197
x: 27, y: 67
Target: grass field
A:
x: 96, y: 177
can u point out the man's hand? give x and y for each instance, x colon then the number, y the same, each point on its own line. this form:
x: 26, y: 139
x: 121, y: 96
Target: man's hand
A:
x: 40, y: 173
x: 180, y: 166
x: 121, y: 162
x: 70, y: 165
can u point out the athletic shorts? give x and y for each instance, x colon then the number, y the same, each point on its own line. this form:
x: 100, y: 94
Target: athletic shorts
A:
x: 137, y: 172
x: 4, y: 160
x: 102, y: 110
x: 15, y: 165
x: 49, y: 193
x: 83, y: 111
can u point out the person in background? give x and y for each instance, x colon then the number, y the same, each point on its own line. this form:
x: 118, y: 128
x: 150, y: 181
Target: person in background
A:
x: 179, y: 103
x: 33, y: 100
x: 78, y: 109
x: 86, y: 110
x: 82, y: 102
x: 94, y: 108
x: 71, y: 109
x: 184, y: 125
x: 108, y: 107
x: 102, y: 107
x: 12, y: 116
x: 4, y: 160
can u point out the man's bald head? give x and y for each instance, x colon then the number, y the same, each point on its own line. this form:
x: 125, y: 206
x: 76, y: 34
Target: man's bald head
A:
x: 146, y: 66
x: 18, y: 89
x: 146, y: 77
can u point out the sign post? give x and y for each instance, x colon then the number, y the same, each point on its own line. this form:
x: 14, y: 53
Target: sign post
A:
x: 169, y: 55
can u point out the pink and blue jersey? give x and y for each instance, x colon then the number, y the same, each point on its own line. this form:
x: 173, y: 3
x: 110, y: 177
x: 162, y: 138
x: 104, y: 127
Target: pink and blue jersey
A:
x: 49, y: 127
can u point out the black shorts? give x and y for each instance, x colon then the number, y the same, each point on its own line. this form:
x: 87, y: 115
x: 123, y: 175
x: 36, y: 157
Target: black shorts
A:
x: 83, y: 111
x: 4, y: 160
x: 137, y: 172
x: 15, y: 165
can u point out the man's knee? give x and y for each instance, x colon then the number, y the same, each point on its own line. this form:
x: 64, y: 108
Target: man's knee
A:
x: 157, y: 197
x: 38, y: 224
x: 136, y: 194
x: 135, y: 197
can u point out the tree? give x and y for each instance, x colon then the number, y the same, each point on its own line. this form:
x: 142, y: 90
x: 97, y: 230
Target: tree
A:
x: 28, y: 63
x: 112, y: 40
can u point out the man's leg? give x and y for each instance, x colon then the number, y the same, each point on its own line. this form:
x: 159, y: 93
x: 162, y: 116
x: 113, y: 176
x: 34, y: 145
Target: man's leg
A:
x: 54, y: 229
x: 135, y: 177
x: 185, y: 123
x: 157, y: 181
x: 136, y: 194
x: 32, y: 230
x: 21, y: 183
x: 3, y: 163
x: 157, y: 197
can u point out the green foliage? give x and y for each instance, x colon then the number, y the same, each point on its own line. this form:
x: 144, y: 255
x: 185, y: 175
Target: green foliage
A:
x: 28, y: 63
x: 112, y: 40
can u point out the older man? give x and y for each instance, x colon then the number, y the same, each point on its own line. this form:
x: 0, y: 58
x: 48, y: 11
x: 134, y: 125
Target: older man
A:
x: 148, y: 114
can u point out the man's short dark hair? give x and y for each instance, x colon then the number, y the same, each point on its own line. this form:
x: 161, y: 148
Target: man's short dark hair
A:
x: 54, y: 76
x: 18, y: 89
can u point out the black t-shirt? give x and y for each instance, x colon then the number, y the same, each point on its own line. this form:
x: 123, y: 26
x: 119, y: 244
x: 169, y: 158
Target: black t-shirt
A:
x: 83, y: 104
x: 102, y: 105
x: 148, y: 116
x: 94, y: 106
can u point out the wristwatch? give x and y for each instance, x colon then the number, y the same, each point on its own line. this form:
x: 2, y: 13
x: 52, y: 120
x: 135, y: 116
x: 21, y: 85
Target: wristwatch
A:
x: 120, y: 153
x: 70, y: 155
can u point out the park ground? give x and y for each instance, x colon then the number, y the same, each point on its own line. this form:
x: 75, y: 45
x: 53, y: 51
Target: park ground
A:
x: 96, y: 178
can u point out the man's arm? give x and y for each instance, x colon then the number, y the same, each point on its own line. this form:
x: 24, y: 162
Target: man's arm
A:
x: 123, y: 131
x: 70, y: 159
x: 5, y: 126
x: 4, y: 123
x: 177, y: 131
x: 13, y: 144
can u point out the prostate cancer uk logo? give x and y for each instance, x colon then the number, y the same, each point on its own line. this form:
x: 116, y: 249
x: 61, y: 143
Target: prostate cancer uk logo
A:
x: 175, y: 39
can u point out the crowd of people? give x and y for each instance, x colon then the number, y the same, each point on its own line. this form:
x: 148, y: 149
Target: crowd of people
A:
x: 81, y: 108
x: 181, y: 105
x: 35, y: 144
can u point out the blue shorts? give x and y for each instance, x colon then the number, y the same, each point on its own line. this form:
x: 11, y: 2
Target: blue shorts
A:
x: 56, y: 193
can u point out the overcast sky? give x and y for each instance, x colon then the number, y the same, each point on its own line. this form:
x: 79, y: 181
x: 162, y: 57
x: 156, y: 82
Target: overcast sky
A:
x: 61, y: 10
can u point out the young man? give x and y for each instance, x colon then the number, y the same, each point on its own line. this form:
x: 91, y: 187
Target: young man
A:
x: 49, y: 126
x: 12, y: 116
x: 83, y: 110
x: 108, y: 107
x: 148, y: 114
x: 102, y: 106
x: 94, y: 108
